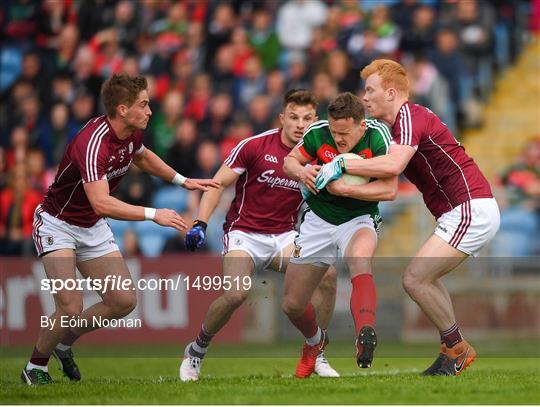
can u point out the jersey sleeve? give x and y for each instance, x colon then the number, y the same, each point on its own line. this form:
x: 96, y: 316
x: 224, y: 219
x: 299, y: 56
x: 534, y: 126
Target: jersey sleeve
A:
x: 307, y: 146
x: 241, y: 156
x: 91, y: 158
x: 381, y: 138
x: 408, y: 127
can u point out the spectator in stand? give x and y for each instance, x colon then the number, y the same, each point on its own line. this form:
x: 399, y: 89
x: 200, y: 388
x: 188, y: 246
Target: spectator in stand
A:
x: 17, y: 205
x: 3, y: 168
x: 39, y: 177
x: 94, y: 16
x: 430, y: 89
x: 33, y: 72
x: 83, y: 107
x: 519, y: 194
x: 297, y: 72
x: 295, y: 21
x: 402, y: 13
x: 239, y: 130
x: 164, y: 123
x: 325, y: 90
x: 199, y: 98
x: 218, y: 119
x: 474, y: 27
x: 62, y: 88
x: 130, y: 246
x: 420, y: 36
x: 347, y: 79
x: 275, y: 89
x: 108, y: 53
x: 362, y: 49
x: 242, y: 51
x: 19, y: 145
x: 182, y: 154
x: 195, y: 46
x: 450, y: 63
x: 137, y: 187
x: 55, y: 133
x: 220, y: 27
x: 223, y: 79
x: 126, y: 24
x: 251, y: 84
x: 264, y: 39
x: 388, y: 33
x: 260, y: 114
x: 28, y: 116
x: 66, y: 48
x: 83, y: 72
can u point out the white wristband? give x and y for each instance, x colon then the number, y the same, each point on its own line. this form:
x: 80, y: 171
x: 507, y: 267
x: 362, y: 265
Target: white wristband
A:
x: 179, y: 179
x: 149, y: 213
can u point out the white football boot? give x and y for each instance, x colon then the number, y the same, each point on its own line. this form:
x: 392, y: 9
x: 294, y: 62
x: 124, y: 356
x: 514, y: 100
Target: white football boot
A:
x: 323, y: 368
x: 190, y: 367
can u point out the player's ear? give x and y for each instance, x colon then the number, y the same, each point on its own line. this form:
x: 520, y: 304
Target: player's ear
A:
x: 122, y: 110
x: 281, y: 117
x: 391, y: 94
x: 363, y: 126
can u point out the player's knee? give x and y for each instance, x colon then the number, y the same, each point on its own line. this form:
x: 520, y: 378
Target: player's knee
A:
x: 411, y: 282
x: 236, y: 298
x: 329, y: 281
x: 73, y: 309
x: 123, y: 304
x: 291, y: 307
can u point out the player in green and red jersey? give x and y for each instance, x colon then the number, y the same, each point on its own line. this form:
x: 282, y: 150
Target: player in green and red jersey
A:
x: 337, y: 225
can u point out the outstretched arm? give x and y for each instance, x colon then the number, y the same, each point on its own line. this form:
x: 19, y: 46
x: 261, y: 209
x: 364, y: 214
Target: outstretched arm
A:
x: 384, y: 166
x: 224, y: 177
x: 294, y: 165
x: 149, y: 162
x: 108, y: 206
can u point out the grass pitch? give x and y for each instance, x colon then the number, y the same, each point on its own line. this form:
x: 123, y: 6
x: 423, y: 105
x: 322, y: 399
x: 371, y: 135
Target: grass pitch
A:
x: 124, y: 379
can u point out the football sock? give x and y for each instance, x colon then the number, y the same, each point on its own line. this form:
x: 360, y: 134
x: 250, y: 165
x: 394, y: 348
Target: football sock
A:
x: 200, y: 346
x: 307, y: 324
x: 68, y: 340
x: 38, y: 360
x: 363, y: 301
x: 451, y: 336
x: 315, y: 339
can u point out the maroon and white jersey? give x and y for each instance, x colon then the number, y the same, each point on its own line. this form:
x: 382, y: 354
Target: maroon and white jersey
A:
x: 96, y: 153
x: 442, y: 171
x: 267, y: 200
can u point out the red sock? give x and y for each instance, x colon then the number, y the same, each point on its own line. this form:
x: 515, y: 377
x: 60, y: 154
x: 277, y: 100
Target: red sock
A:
x: 306, y: 323
x: 363, y: 301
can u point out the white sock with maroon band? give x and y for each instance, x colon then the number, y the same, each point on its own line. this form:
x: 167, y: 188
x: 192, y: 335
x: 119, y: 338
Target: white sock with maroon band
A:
x: 315, y: 339
x: 30, y: 366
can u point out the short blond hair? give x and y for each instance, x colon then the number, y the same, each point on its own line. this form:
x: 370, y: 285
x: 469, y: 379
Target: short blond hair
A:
x: 392, y: 74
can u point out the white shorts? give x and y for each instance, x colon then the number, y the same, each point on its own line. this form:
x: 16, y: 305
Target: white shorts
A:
x: 50, y: 233
x: 470, y: 226
x: 320, y: 243
x: 262, y: 248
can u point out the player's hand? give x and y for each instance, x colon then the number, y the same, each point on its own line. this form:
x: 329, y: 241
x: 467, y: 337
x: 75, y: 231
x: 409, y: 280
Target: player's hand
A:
x: 200, y: 184
x: 304, y: 191
x: 168, y: 217
x: 330, y: 172
x: 337, y: 187
x: 307, y: 177
x: 196, y: 236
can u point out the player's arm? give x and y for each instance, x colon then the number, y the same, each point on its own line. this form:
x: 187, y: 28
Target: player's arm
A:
x: 295, y: 166
x: 196, y: 236
x: 149, y: 162
x: 391, y: 164
x: 105, y: 205
x: 384, y: 189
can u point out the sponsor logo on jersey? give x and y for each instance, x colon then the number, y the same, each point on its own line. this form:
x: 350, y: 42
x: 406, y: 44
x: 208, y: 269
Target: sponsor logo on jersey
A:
x: 326, y: 153
x: 366, y: 153
x: 118, y: 172
x: 267, y: 178
x: 271, y: 158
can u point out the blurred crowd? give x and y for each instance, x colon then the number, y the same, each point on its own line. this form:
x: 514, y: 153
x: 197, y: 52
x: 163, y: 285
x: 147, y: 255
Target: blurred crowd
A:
x: 217, y: 71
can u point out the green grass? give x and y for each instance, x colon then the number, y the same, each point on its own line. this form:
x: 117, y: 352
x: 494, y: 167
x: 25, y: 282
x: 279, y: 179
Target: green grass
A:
x: 256, y: 380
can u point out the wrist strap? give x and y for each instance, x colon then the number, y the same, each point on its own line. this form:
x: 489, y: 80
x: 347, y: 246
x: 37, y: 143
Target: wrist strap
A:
x: 200, y: 223
x: 149, y: 213
x: 179, y: 179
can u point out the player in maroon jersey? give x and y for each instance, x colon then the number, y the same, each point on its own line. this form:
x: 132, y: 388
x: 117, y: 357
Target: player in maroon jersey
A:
x: 259, y: 227
x: 70, y: 229
x: 454, y: 190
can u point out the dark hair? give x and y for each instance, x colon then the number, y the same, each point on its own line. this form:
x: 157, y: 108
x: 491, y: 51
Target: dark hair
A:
x: 121, y: 89
x: 300, y: 97
x: 346, y: 105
